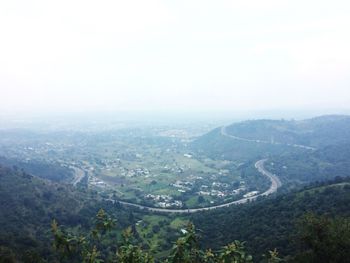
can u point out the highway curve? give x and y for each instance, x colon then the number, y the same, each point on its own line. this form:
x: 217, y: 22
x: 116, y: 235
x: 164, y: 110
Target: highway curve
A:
x: 259, y: 165
x: 224, y: 133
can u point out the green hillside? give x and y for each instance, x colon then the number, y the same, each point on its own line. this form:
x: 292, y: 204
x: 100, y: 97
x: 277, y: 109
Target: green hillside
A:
x: 282, y: 142
x: 271, y: 223
x: 217, y: 146
x: 316, y: 132
x: 320, y: 165
x: 52, y: 172
x: 29, y: 204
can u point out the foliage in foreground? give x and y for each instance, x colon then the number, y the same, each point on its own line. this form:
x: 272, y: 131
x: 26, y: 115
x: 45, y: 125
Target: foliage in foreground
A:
x: 322, y: 240
x: 86, y: 249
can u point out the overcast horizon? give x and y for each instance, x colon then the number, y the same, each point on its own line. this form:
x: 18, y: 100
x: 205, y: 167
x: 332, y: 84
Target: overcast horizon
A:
x: 166, y: 57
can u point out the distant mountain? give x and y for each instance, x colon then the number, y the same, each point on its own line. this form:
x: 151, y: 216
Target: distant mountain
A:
x: 218, y: 146
x: 316, y: 132
x: 299, y: 152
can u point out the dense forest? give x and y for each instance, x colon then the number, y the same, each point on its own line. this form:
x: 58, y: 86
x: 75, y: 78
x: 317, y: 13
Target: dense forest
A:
x: 271, y: 223
x: 32, y: 203
x: 321, y: 239
x: 275, y: 135
x: 217, y: 146
x: 320, y: 165
x: 307, y: 220
x: 29, y: 204
x: 316, y: 132
x: 327, y: 136
x: 52, y: 172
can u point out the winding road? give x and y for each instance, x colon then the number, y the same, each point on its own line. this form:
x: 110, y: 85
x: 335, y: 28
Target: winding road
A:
x: 259, y: 165
x: 78, y: 175
x: 224, y: 133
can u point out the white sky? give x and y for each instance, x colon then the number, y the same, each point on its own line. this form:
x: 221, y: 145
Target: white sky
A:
x: 174, y: 55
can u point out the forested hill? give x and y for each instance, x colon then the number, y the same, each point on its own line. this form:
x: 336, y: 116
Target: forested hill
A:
x: 268, y: 224
x: 217, y: 146
x: 52, y: 172
x: 316, y: 132
x: 282, y: 142
x: 271, y: 223
x: 29, y: 204
x: 320, y: 165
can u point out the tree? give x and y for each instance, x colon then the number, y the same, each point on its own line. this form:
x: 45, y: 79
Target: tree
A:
x: 324, y: 239
x: 73, y: 248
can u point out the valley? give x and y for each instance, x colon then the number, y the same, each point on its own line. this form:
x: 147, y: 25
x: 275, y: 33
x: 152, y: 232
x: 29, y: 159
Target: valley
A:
x: 158, y: 179
x: 141, y: 167
x: 248, y: 197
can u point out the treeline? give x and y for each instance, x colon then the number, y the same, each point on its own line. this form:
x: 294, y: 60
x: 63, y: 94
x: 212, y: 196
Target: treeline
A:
x: 28, y: 205
x: 53, y: 172
x: 317, y: 132
x: 321, y: 239
x: 220, y: 147
x: 271, y: 223
x: 323, y: 164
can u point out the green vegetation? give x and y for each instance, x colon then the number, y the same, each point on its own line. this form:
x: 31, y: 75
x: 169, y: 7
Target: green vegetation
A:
x: 53, y: 172
x: 132, y: 165
x: 321, y: 240
x: 87, y: 249
x: 72, y: 175
x: 323, y: 164
x: 264, y: 224
x: 316, y: 132
x: 219, y: 147
x: 271, y: 223
x: 282, y: 142
x: 29, y: 204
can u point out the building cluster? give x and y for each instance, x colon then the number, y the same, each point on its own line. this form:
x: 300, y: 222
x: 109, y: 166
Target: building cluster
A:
x: 182, y: 186
x: 136, y: 172
x: 164, y: 201
x: 220, y: 190
x: 251, y: 194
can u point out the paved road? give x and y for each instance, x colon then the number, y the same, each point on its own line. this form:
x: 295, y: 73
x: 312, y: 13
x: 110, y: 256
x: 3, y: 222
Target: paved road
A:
x: 275, y: 181
x: 78, y: 175
x: 259, y: 165
x: 224, y: 133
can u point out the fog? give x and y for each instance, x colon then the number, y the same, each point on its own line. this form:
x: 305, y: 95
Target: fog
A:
x: 174, y: 56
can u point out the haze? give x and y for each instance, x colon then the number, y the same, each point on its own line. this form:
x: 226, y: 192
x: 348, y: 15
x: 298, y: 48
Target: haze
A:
x: 73, y: 56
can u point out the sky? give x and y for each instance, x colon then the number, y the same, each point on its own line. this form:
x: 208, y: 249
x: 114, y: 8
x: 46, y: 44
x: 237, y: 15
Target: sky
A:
x: 188, y: 56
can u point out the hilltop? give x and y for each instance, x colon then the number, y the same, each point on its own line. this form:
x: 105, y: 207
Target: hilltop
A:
x: 302, y: 151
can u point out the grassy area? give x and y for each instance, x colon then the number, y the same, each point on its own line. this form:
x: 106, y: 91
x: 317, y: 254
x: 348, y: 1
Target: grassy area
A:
x: 178, y: 223
x: 152, y: 169
x: 158, y: 231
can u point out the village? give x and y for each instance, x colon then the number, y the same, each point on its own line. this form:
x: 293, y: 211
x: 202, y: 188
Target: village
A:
x: 162, y: 174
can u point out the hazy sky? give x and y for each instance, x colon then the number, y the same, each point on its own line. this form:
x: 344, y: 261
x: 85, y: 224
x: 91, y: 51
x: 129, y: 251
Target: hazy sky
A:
x: 174, y: 55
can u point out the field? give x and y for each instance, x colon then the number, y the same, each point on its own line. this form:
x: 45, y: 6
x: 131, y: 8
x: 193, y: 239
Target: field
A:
x: 153, y: 167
